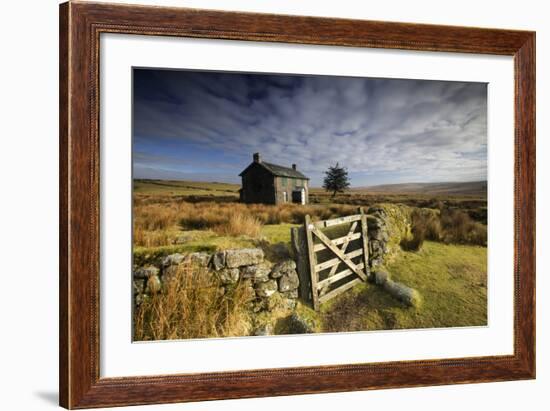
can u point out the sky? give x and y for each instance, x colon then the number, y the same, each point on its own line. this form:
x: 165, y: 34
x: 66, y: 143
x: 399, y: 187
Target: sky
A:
x: 205, y: 126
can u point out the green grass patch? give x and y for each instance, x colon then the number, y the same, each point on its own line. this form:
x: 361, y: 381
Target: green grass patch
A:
x: 451, y: 279
x: 195, y: 241
x: 277, y: 233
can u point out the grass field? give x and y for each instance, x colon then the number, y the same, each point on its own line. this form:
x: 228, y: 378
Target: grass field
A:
x: 451, y: 279
x: 186, y: 216
x: 185, y: 188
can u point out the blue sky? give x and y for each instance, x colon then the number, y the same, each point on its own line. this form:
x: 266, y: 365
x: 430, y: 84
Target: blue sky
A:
x: 204, y: 126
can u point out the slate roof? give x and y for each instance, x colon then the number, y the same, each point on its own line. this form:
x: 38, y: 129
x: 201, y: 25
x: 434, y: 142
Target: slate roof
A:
x: 277, y: 170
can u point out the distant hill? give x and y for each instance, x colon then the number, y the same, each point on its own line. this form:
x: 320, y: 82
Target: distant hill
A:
x: 186, y: 188
x: 477, y: 188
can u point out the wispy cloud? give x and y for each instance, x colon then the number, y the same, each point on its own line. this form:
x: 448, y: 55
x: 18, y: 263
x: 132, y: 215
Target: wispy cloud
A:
x: 206, y: 125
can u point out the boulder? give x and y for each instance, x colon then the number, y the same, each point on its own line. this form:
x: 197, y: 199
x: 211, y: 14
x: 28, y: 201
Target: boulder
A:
x: 244, y: 256
x: 218, y: 260
x: 266, y: 289
x: 172, y: 259
x: 257, y: 273
x: 405, y: 294
x: 283, y: 268
x: 299, y: 325
x: 228, y: 275
x: 380, y: 277
x: 289, y: 281
x: 146, y: 272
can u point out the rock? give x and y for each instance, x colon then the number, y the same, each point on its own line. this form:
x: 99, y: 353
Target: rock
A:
x: 289, y: 281
x: 218, y: 260
x: 282, y: 268
x: 266, y: 329
x: 138, y: 286
x: 266, y: 289
x: 172, y: 259
x: 299, y: 325
x: 292, y: 294
x: 153, y: 285
x: 244, y: 256
x: 405, y: 294
x: 146, y: 272
x: 228, y: 275
x: 200, y: 259
x: 380, y: 277
x: 257, y: 273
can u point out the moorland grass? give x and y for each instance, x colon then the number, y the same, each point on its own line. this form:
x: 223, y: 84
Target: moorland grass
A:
x: 452, y: 280
x: 191, y: 305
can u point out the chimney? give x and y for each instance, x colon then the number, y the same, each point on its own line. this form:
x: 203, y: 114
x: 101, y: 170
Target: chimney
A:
x: 257, y: 158
x: 294, y: 166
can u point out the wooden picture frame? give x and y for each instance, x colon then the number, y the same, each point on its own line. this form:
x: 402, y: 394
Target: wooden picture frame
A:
x: 80, y: 27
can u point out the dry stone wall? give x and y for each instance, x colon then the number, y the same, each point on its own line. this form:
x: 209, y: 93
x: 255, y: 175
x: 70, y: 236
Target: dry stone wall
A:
x: 388, y: 225
x: 231, y: 266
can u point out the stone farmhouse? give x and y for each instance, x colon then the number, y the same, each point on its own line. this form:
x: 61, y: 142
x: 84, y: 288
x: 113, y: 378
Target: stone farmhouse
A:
x: 269, y: 183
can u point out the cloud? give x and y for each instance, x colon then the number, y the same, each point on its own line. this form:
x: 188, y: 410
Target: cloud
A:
x: 382, y: 130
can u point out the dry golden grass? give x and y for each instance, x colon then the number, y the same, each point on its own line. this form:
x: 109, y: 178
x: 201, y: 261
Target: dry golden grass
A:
x: 144, y: 238
x: 240, y: 224
x: 152, y: 219
x: 449, y: 225
x: 191, y: 305
x: 459, y: 228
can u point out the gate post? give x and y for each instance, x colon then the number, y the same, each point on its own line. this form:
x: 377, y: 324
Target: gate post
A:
x: 299, y: 245
x: 365, y: 240
x: 312, y: 262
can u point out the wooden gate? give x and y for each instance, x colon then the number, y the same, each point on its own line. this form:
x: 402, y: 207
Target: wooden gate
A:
x: 329, y: 266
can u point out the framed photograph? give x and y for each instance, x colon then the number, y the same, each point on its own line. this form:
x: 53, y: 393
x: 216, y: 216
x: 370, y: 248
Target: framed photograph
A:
x: 261, y: 205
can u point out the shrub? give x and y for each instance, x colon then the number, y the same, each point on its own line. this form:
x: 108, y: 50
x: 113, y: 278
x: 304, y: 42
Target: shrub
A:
x: 191, y: 305
x: 478, y: 234
x: 415, y: 242
x: 450, y: 226
x: 459, y: 228
x: 428, y: 222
